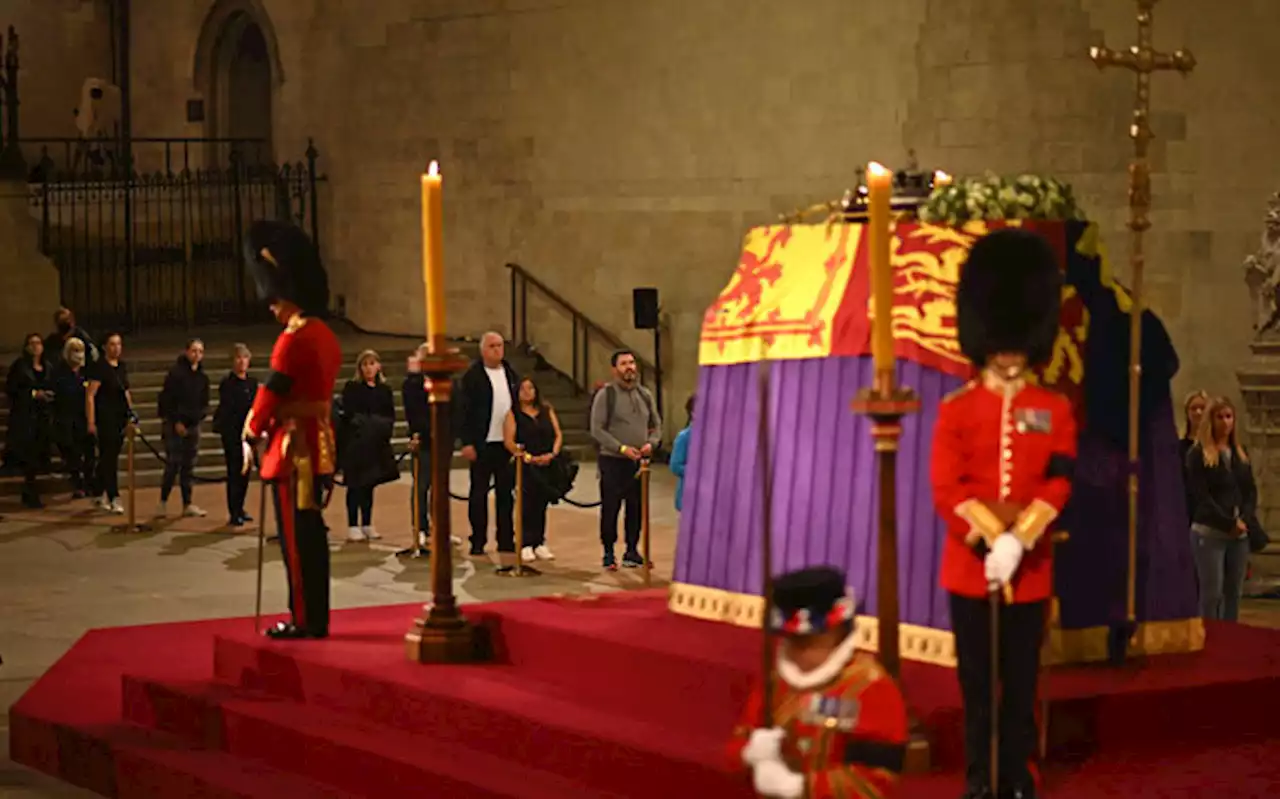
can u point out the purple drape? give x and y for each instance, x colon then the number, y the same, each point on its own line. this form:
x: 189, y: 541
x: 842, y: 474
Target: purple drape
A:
x: 824, y: 482
x: 824, y: 497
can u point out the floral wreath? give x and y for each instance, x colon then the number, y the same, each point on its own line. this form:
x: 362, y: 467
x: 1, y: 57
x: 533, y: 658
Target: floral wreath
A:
x: 993, y: 198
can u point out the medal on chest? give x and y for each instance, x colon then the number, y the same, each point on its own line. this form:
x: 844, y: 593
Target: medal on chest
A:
x: 1032, y: 420
x: 832, y: 713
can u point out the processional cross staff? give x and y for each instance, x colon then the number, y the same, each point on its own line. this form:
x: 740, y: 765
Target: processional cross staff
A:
x: 1143, y: 60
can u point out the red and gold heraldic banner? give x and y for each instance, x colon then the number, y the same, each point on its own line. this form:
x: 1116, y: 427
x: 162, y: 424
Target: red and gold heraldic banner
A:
x: 803, y: 291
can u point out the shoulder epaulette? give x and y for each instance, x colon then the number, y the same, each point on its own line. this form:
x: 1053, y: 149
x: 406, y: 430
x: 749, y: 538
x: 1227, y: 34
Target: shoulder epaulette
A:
x: 959, y: 392
x: 295, y: 324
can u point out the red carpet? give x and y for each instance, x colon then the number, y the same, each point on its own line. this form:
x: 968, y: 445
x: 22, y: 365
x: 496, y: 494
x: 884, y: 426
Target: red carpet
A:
x: 608, y: 698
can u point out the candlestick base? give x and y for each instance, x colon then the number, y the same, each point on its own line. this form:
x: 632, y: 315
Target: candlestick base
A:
x: 447, y: 640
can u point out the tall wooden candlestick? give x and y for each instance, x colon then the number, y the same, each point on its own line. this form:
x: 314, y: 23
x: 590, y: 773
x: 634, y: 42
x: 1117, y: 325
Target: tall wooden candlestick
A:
x: 886, y: 403
x: 443, y: 634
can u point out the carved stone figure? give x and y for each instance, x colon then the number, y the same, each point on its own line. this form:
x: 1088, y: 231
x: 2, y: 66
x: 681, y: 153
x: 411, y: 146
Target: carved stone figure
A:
x: 1262, y: 274
x: 96, y: 118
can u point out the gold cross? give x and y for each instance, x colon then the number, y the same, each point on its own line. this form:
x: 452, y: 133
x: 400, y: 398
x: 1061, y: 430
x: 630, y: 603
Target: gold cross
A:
x: 1143, y: 60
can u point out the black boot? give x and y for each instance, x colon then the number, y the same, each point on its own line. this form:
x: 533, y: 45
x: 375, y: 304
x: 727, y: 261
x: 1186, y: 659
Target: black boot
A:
x: 978, y: 793
x: 287, y: 631
x: 1021, y: 792
x: 31, y: 500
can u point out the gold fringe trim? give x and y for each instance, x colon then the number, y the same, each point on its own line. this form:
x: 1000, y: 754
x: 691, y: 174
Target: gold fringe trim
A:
x: 929, y: 645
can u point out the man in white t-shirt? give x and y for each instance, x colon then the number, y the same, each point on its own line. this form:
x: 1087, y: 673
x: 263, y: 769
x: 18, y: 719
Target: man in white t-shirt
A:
x: 488, y: 390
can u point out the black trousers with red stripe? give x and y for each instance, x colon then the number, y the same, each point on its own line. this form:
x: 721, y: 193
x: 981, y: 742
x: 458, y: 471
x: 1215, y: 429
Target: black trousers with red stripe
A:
x: 304, y: 542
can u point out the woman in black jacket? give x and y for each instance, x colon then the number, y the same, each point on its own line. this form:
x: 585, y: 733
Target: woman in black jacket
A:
x: 532, y: 428
x: 1225, y: 499
x: 29, y: 385
x: 108, y: 405
x: 364, y: 443
x: 236, y: 393
x: 70, y: 425
x: 183, y: 404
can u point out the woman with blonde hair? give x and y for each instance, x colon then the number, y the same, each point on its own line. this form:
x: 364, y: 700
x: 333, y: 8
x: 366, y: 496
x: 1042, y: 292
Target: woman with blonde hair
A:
x: 1224, y: 500
x: 1193, y: 407
x: 71, y: 426
x: 364, y: 443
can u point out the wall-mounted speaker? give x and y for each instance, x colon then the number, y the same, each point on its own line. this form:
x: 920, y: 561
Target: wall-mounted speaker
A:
x: 644, y: 303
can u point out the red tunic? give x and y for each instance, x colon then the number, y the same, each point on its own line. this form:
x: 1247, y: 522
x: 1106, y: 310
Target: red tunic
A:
x: 830, y: 730
x: 1001, y: 441
x: 293, y: 407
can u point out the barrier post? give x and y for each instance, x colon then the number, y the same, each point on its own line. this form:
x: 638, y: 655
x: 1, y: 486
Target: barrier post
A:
x: 519, y: 569
x: 415, y: 548
x: 644, y: 522
x: 131, y: 483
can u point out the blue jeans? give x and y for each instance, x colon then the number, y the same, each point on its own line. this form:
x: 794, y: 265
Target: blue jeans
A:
x: 1220, y: 565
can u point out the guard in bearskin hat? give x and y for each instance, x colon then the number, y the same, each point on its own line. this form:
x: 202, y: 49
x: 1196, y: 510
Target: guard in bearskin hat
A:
x: 839, y: 723
x: 291, y: 414
x: 1003, y: 453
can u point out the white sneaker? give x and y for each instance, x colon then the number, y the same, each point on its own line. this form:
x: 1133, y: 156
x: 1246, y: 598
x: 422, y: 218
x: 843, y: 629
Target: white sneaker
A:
x: 194, y: 512
x: 370, y: 533
x: 102, y: 503
x: 354, y: 534
x: 527, y: 555
x: 544, y: 552
x: 162, y: 510
x: 116, y: 508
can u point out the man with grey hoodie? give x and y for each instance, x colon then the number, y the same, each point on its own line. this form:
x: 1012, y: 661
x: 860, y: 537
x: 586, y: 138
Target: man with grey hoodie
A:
x: 628, y: 428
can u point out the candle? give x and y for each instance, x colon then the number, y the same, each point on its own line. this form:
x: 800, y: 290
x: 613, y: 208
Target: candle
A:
x: 941, y: 179
x: 433, y: 254
x: 879, y: 189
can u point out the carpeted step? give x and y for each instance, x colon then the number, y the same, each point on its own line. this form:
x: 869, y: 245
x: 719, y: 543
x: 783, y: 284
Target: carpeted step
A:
x: 499, y: 710
x: 357, y: 756
x: 138, y: 763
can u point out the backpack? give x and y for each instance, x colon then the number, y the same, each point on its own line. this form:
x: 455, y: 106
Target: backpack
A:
x: 611, y: 403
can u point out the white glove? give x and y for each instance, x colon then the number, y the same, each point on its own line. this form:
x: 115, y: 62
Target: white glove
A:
x: 773, y: 779
x: 765, y: 744
x: 246, y: 455
x: 1003, y: 559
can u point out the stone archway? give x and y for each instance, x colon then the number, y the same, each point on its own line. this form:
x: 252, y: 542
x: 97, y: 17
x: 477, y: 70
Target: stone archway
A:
x: 237, y: 71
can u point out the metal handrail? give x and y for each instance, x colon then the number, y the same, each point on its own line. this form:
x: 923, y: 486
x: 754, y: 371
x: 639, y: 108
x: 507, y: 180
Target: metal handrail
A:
x: 583, y: 326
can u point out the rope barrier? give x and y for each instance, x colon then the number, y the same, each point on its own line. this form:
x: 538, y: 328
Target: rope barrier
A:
x: 164, y: 461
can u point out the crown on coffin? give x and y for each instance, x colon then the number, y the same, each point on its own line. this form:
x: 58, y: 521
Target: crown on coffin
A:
x: 911, y: 187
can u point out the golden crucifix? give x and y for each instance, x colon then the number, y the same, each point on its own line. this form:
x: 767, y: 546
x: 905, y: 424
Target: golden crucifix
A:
x: 1143, y: 60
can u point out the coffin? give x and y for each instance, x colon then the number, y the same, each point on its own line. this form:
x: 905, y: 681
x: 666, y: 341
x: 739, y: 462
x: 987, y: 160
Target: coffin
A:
x: 800, y: 298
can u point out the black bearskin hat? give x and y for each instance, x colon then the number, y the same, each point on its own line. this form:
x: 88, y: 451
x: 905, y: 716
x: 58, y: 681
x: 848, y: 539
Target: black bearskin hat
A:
x: 1009, y: 297
x: 286, y: 266
x: 811, y: 601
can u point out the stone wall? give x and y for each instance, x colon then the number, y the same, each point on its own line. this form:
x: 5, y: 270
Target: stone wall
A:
x: 28, y: 281
x: 607, y: 144
x: 63, y: 42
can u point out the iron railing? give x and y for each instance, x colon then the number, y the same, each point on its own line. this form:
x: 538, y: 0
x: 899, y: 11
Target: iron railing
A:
x: 162, y: 247
x: 583, y: 332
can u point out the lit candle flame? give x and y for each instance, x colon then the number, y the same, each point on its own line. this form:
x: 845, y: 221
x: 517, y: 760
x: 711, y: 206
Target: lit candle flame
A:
x: 941, y: 178
x: 877, y: 169
x: 434, y: 169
